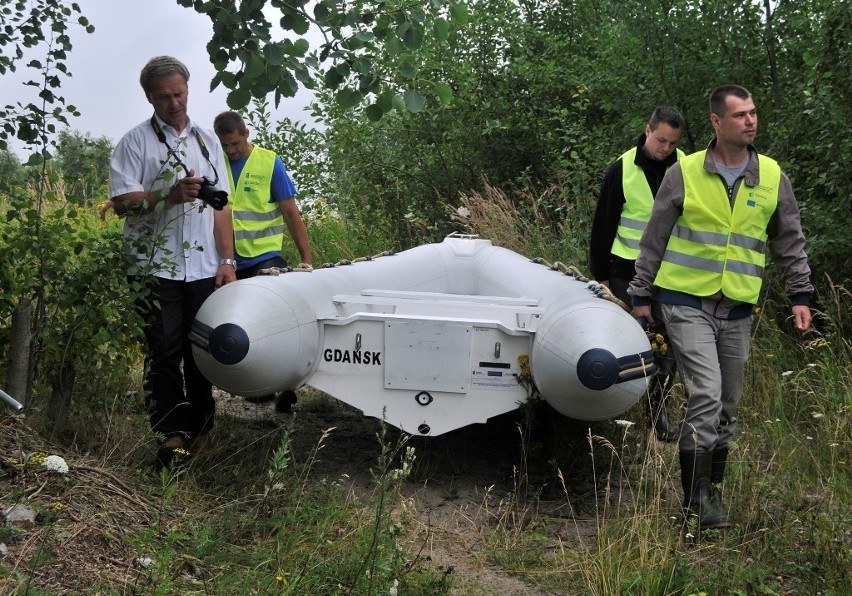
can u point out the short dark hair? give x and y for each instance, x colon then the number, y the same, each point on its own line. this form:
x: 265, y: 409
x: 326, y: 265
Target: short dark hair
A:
x: 229, y: 122
x: 161, y: 66
x: 666, y: 114
x: 719, y: 96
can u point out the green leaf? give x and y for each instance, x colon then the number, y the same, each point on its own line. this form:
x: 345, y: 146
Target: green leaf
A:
x: 239, y: 98
x: 220, y: 59
x: 398, y: 102
x: 458, y: 12
x: 301, y: 46
x: 296, y: 23
x: 228, y: 79
x: 413, y: 38
x: 407, y: 70
x: 417, y: 14
x: 254, y: 68
x: 274, y: 54
x: 348, y: 98
x: 332, y: 79
x: 444, y: 93
x: 288, y: 85
x: 414, y: 102
x: 393, y: 45
x: 374, y: 113
x: 385, y: 101
x: 321, y: 12
x: 441, y: 30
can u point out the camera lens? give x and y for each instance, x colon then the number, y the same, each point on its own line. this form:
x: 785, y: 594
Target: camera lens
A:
x: 215, y: 198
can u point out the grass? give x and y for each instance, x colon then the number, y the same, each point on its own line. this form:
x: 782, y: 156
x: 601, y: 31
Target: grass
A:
x: 579, y: 508
x: 788, y: 483
x: 252, y: 517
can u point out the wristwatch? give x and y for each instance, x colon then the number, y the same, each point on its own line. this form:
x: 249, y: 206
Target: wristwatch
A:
x: 231, y: 262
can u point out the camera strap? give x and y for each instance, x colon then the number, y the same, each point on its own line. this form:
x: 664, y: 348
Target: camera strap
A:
x: 161, y: 136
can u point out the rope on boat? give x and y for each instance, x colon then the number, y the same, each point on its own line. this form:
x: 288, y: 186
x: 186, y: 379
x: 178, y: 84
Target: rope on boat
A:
x: 597, y: 289
x: 305, y: 268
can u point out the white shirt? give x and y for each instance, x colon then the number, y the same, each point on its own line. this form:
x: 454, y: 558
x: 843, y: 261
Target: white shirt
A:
x: 178, y: 241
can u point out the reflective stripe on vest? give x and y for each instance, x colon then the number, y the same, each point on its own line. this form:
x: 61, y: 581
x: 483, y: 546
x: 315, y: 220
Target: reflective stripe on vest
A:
x: 638, y: 201
x: 714, y: 247
x: 258, y: 224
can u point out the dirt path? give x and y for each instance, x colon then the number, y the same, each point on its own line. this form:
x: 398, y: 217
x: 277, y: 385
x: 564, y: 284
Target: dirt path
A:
x: 463, y: 482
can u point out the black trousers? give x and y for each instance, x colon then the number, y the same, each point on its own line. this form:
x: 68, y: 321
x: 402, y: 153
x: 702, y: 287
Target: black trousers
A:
x: 279, y: 262
x: 178, y: 396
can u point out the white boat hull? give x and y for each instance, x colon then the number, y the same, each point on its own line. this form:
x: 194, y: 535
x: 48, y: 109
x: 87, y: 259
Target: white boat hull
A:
x: 430, y: 339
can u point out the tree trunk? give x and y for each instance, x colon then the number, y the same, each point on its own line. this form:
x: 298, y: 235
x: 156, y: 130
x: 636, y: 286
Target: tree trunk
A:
x: 18, y: 363
x: 59, y: 408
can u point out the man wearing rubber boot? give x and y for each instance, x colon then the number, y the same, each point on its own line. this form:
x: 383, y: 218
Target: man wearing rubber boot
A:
x: 262, y: 201
x: 702, y: 257
x: 623, y: 208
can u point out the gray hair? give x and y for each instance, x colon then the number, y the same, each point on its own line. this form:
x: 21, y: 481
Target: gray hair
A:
x: 161, y: 66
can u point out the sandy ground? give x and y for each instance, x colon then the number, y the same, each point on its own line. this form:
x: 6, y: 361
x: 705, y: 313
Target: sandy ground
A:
x: 464, y: 482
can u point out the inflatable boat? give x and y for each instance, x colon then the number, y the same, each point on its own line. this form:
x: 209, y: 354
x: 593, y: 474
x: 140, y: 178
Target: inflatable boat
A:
x: 430, y: 339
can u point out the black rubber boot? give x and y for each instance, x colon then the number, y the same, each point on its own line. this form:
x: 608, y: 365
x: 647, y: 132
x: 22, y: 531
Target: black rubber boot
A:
x: 664, y: 430
x: 717, y: 467
x: 695, y: 477
x: 285, y: 400
x: 717, y: 476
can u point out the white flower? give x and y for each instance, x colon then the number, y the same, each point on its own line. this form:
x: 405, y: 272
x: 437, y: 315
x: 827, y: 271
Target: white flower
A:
x: 817, y: 414
x: 786, y: 373
x: 463, y: 212
x: 54, y: 463
x: 394, y: 588
x: 624, y: 423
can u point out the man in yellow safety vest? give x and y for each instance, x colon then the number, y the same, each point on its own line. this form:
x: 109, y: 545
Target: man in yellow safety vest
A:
x: 702, y: 257
x: 262, y: 201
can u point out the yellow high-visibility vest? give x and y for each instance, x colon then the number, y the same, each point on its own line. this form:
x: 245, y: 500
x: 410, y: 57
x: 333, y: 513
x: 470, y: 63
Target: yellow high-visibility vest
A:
x: 638, y: 201
x: 714, y: 246
x: 258, y: 224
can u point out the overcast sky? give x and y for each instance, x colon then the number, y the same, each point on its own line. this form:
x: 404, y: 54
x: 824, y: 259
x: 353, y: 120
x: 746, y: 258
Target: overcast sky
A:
x: 106, y: 64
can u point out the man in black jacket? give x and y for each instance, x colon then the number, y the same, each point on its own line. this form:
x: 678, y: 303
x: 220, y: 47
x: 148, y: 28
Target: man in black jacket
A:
x: 624, y: 207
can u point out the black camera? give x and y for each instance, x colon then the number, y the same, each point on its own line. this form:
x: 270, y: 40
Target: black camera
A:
x: 208, y: 193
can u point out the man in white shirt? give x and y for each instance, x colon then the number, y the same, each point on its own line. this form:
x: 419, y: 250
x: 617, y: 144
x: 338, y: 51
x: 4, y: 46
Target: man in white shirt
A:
x: 168, y: 177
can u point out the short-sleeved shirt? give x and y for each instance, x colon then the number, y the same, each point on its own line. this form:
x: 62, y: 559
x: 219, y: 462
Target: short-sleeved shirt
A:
x: 178, y: 240
x: 280, y: 189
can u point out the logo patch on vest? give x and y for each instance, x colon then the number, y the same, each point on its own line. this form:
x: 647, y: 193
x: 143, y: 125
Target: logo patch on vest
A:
x: 756, y: 198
